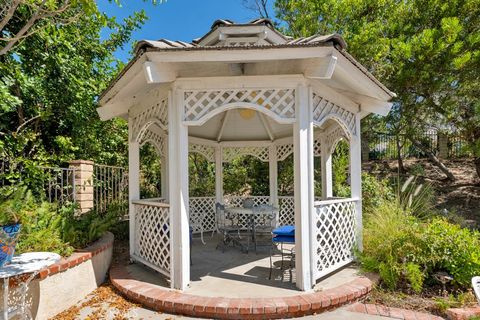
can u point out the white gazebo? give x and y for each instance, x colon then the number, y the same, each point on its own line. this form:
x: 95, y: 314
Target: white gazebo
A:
x: 245, y: 89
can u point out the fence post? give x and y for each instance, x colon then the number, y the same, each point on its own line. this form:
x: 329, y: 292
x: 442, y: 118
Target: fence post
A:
x: 83, y: 184
x: 365, y: 148
x: 442, y: 145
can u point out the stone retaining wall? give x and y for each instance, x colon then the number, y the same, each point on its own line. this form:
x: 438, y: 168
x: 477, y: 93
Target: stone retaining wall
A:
x: 65, y: 283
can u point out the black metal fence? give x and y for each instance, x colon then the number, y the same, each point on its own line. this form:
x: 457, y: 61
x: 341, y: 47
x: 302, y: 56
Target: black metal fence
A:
x: 383, y: 146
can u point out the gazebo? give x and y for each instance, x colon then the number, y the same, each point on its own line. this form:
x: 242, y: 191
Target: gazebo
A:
x: 245, y: 89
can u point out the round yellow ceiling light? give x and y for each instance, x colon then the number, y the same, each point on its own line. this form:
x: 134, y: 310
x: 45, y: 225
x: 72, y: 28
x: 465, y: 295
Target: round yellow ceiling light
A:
x: 246, y: 114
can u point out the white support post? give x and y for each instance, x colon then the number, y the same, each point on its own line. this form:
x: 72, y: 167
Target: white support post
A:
x: 273, y: 174
x: 304, y: 195
x: 178, y: 189
x: 219, y: 174
x: 133, y: 182
x: 164, y: 173
x: 326, y: 169
x: 356, y: 179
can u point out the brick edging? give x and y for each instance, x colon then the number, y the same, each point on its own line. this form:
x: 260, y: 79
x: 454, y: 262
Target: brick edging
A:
x: 176, y: 302
x: 395, y: 313
x: 78, y: 257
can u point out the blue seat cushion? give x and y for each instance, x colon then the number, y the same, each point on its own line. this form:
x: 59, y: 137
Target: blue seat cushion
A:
x: 284, y: 239
x: 284, y: 231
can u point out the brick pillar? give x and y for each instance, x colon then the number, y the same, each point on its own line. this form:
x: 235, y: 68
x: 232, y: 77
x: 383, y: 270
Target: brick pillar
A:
x: 442, y: 145
x: 365, y: 148
x: 83, y: 184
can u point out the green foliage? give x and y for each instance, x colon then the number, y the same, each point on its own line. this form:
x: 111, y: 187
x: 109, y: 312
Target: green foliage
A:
x: 414, y: 276
x: 416, y: 197
x: 454, y: 249
x: 47, y: 227
x: 375, y: 191
x: 15, y: 204
x: 340, y: 167
x: 407, y: 251
x: 81, y: 230
x: 49, y: 87
x: 427, y: 52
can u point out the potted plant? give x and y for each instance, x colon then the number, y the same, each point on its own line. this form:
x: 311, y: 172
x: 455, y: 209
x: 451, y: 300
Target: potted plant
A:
x: 10, y: 207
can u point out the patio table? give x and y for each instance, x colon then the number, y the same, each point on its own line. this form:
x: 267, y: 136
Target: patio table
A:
x: 249, y: 216
x: 26, y: 263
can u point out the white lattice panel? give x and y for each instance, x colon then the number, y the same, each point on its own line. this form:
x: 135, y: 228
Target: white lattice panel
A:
x: 323, y: 108
x: 202, y: 214
x: 283, y: 151
x: 230, y: 153
x: 198, y: 104
x: 207, y: 151
x: 287, y: 210
x: 334, y: 236
x: 333, y: 137
x: 152, y: 236
x: 155, y: 139
x: 155, y: 113
x: 317, y: 148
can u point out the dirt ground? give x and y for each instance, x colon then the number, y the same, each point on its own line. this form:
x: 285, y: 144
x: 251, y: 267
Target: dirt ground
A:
x: 460, y: 197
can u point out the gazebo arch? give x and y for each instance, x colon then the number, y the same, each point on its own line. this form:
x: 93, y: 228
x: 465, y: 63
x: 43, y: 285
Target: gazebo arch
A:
x: 240, y: 105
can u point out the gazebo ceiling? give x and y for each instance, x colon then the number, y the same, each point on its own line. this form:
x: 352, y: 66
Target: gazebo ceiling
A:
x: 244, y: 125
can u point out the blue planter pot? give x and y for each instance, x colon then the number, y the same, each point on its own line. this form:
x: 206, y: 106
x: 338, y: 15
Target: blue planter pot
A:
x: 8, y: 241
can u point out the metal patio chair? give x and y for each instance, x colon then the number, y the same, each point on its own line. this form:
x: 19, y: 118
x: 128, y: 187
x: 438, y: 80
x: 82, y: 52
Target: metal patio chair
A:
x: 227, y: 226
x: 264, y: 221
x: 196, y: 223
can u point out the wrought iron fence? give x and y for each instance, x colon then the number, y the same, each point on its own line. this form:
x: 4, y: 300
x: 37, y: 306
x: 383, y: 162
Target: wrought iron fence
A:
x: 57, y: 184
x: 385, y: 145
x: 457, y: 147
x: 110, y: 186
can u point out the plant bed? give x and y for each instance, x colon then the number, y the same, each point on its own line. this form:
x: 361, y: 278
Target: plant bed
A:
x: 429, y: 301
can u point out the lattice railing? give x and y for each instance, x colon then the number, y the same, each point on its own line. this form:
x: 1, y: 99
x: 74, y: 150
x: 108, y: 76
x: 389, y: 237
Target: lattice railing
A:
x: 202, y: 214
x: 152, y: 235
x: 287, y: 210
x: 333, y: 235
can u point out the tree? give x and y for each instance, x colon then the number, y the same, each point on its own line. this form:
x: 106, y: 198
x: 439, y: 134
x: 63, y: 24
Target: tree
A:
x: 426, y: 51
x: 49, y: 87
x: 20, y: 19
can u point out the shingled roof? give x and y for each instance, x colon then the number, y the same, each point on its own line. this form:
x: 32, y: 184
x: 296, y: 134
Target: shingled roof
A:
x: 258, y: 40
x: 255, y: 34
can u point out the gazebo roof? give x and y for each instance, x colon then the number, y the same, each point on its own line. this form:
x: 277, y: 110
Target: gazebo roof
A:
x: 254, y: 48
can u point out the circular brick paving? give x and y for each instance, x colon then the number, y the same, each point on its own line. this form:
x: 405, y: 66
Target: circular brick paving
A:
x: 171, y: 301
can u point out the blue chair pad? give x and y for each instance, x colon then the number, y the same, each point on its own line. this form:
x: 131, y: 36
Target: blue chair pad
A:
x: 284, y: 231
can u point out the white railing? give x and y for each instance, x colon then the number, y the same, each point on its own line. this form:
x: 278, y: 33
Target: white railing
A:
x: 202, y: 214
x: 152, y: 235
x: 287, y: 210
x: 333, y: 235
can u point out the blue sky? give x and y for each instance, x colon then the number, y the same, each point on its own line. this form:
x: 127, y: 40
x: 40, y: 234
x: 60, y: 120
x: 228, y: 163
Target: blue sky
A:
x: 177, y: 19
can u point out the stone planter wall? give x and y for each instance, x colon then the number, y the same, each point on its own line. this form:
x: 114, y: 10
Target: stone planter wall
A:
x: 65, y: 283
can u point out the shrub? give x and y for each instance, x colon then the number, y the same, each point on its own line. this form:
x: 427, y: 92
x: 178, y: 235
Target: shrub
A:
x: 374, y: 192
x: 406, y: 251
x: 454, y: 249
x: 48, y: 227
